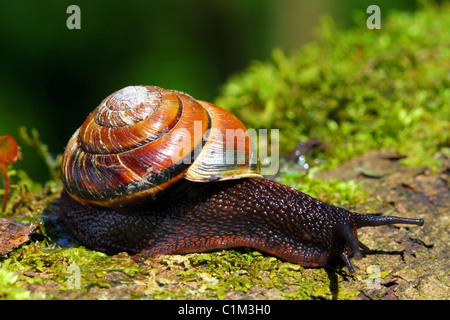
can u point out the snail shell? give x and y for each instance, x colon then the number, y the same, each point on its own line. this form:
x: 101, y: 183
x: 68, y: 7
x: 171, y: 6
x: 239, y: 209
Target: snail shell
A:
x: 143, y: 140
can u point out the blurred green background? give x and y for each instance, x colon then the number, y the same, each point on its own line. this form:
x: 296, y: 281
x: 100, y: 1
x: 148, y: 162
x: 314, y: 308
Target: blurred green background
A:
x: 51, y: 77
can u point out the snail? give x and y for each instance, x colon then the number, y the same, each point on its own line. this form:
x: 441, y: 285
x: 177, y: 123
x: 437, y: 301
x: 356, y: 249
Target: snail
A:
x: 150, y: 172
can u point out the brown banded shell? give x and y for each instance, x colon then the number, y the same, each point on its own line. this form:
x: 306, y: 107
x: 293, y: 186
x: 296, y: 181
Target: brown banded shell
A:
x: 142, y: 140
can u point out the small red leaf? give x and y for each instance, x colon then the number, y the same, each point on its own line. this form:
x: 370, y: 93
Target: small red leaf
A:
x: 9, y: 152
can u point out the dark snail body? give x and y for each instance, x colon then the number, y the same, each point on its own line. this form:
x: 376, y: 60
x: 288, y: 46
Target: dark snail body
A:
x: 242, y: 211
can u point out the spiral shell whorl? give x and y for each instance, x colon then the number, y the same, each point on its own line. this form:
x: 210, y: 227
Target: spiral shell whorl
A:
x: 128, y: 119
x: 127, y: 107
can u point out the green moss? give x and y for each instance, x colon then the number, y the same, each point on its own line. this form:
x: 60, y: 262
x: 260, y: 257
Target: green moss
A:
x: 39, y: 265
x: 10, y: 289
x: 222, y: 275
x: 340, y: 193
x: 358, y: 90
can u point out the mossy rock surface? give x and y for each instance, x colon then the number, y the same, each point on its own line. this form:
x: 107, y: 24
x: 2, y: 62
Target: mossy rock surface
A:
x: 378, y: 100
